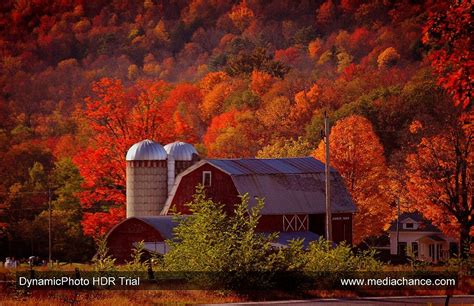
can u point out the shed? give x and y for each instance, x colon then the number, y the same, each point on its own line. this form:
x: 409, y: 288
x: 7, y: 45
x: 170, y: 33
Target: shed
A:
x: 153, y: 231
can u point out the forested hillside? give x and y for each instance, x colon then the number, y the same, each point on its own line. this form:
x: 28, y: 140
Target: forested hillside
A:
x: 81, y: 81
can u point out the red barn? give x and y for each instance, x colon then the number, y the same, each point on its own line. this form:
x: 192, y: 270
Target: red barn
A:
x: 293, y: 190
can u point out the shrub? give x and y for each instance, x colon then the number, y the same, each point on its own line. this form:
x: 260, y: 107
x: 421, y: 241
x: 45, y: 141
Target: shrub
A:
x: 227, y: 248
x: 102, y: 261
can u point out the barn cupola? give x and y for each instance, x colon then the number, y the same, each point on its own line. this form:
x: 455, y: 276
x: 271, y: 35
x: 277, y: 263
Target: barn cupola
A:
x: 181, y: 155
x: 147, y: 186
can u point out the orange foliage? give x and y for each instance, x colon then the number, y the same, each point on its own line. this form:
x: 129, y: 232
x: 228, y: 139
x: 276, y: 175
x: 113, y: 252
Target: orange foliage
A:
x: 440, y: 182
x: 356, y: 153
x: 183, y: 106
x: 314, y: 48
x: 208, y: 82
x: 241, y: 15
x: 232, y: 134
x: 119, y: 117
x: 261, y: 82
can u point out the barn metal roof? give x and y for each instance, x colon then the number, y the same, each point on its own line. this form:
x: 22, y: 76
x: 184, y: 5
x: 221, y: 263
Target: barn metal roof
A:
x: 163, y: 224
x: 269, y: 166
x: 288, y: 185
x: 146, y: 150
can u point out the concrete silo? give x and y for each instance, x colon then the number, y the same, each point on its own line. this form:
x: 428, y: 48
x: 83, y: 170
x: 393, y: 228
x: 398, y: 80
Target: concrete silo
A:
x: 147, y: 180
x: 181, y: 155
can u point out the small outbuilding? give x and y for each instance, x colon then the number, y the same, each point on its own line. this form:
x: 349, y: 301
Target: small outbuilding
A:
x: 153, y: 231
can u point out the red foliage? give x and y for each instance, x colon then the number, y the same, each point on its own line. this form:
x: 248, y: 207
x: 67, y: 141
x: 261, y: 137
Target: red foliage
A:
x: 288, y: 56
x: 449, y: 31
x: 119, y: 117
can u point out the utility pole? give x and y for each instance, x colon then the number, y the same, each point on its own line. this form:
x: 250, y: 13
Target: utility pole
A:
x: 398, y: 224
x: 328, y: 179
x: 49, y: 227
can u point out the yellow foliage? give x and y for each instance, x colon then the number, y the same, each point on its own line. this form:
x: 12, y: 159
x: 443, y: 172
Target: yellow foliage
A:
x: 241, y: 15
x: 212, y: 79
x: 388, y: 57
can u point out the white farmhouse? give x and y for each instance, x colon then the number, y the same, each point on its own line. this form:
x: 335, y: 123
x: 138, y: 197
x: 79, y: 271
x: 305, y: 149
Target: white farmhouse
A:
x: 417, y: 236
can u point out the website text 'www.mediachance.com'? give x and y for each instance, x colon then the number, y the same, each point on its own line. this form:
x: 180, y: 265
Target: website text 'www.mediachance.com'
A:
x: 399, y: 282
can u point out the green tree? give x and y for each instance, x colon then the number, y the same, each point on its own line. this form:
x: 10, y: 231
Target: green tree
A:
x: 287, y: 148
x: 246, y: 63
x: 209, y: 240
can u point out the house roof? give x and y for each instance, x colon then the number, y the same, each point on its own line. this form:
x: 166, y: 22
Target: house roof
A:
x: 288, y: 185
x: 426, y: 225
x: 436, y: 238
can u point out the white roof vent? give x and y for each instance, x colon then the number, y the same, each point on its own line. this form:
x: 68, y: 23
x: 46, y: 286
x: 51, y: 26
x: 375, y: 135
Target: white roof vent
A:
x: 146, y: 150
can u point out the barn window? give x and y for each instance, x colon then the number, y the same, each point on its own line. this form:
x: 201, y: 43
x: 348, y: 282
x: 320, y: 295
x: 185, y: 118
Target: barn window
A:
x: 409, y: 225
x: 206, y: 178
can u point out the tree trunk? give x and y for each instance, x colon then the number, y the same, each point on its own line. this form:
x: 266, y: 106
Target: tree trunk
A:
x: 465, y: 239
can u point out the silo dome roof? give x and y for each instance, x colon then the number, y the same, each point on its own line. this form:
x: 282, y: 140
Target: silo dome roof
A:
x: 146, y: 150
x: 181, y: 150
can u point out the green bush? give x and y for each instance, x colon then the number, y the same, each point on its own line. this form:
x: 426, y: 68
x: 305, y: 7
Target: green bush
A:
x: 221, y: 249
x: 102, y: 261
x: 230, y: 252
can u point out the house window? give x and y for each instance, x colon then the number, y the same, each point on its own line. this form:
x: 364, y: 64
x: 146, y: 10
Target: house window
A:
x: 409, y: 225
x: 453, y: 249
x: 402, y: 248
x: 206, y: 178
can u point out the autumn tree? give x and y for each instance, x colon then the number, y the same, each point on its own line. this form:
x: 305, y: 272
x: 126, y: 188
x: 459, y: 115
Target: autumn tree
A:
x: 119, y: 116
x: 233, y: 134
x: 388, y: 57
x: 440, y: 174
x: 182, y: 106
x: 449, y: 34
x: 356, y: 153
x: 287, y: 148
x: 241, y: 15
x: 258, y: 59
x: 260, y: 82
x: 326, y: 14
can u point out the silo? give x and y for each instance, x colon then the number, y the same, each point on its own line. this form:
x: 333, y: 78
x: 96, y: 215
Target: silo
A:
x: 181, y: 155
x: 147, y: 180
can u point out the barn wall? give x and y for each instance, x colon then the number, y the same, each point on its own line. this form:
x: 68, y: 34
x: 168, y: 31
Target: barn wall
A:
x: 341, y: 226
x: 221, y: 190
x: 270, y: 223
x: 120, y: 240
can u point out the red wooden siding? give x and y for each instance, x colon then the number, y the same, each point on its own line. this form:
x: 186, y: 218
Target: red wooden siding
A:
x: 342, y: 227
x: 276, y: 223
x: 222, y: 189
x: 120, y: 240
